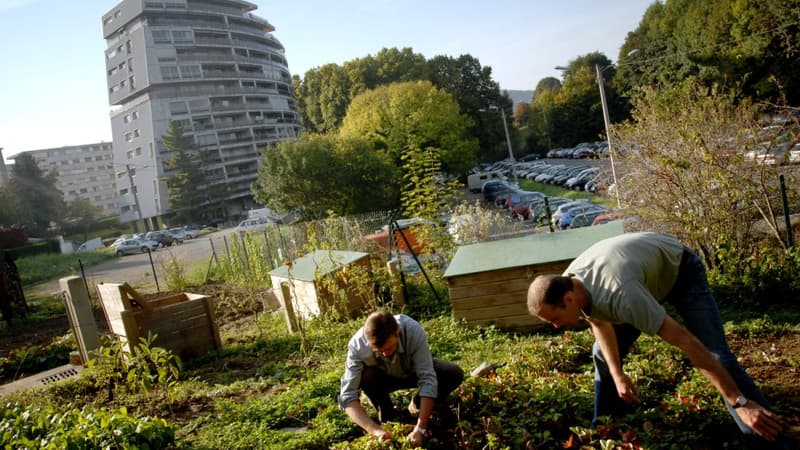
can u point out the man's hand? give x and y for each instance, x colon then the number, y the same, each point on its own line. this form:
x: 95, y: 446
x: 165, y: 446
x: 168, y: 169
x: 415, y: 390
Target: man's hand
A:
x: 762, y: 421
x: 380, y: 433
x: 626, y: 388
x: 416, y: 438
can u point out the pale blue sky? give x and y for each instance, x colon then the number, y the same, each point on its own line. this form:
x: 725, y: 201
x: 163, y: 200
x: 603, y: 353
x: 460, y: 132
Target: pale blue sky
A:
x: 53, y: 86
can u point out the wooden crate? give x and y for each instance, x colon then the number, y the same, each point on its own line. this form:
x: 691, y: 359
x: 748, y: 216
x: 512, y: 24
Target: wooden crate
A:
x: 488, y: 282
x: 183, y: 323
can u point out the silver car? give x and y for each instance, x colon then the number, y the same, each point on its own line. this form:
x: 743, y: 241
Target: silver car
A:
x: 131, y: 246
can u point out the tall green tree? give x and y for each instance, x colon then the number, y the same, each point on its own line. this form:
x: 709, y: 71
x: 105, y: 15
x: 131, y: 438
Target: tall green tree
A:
x: 479, y: 98
x: 416, y: 115
x: 185, y: 178
x: 577, y: 113
x: 38, y: 201
x: 747, y: 45
x: 324, y: 92
x: 321, y: 174
x: 541, y: 116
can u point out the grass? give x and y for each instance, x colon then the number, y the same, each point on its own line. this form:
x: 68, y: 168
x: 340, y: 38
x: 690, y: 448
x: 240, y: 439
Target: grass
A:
x: 557, y: 191
x: 262, y: 391
x: 38, y: 268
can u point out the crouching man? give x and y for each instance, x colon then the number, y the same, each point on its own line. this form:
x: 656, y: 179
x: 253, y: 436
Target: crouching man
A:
x: 387, y: 354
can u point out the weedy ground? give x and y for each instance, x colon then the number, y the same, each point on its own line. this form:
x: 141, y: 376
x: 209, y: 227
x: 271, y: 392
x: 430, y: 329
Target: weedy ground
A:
x: 266, y: 389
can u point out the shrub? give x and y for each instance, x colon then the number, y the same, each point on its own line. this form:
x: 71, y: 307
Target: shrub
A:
x: 87, y: 427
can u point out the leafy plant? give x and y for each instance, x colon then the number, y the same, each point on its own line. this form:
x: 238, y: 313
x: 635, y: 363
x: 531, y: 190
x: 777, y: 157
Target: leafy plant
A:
x: 79, y: 428
x: 145, y: 369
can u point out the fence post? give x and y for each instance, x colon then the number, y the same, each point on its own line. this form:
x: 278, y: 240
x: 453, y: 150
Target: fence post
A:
x: 789, y: 233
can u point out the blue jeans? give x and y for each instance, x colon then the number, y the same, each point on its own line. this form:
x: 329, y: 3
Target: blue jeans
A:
x: 692, y: 297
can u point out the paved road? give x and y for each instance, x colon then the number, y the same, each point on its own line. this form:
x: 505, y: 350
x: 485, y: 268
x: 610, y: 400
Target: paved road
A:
x: 137, y: 270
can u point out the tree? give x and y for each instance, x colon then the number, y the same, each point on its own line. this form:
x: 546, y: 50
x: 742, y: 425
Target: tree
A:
x: 38, y: 200
x: 471, y: 85
x: 541, y: 114
x: 321, y: 174
x: 577, y: 114
x: 185, y: 178
x: 412, y: 115
x: 81, y: 214
x: 522, y: 114
x: 8, y: 208
x: 325, y: 92
x: 747, y: 45
x: 685, y: 145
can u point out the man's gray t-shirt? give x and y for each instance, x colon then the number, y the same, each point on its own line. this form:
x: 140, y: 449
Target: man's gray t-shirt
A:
x: 628, y: 276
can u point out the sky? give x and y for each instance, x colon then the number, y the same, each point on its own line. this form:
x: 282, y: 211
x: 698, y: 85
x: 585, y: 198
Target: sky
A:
x: 53, y: 88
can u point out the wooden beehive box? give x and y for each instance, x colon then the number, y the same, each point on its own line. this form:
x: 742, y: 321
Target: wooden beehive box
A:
x: 315, y: 283
x: 488, y: 282
x: 183, y: 323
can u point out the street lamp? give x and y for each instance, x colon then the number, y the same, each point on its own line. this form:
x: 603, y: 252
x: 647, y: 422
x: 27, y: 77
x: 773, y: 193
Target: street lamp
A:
x: 606, y: 121
x: 508, y: 141
x: 601, y: 84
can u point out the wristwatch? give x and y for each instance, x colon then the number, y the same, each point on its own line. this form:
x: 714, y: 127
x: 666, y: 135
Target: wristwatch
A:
x: 740, y: 401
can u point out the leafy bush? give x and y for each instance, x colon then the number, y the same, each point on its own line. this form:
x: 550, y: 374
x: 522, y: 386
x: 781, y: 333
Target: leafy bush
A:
x: 145, y: 369
x: 84, y: 428
x: 764, y: 276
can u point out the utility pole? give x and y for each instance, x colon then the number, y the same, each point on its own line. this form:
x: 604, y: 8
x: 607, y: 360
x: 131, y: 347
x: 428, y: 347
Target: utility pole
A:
x: 510, y: 152
x: 601, y: 84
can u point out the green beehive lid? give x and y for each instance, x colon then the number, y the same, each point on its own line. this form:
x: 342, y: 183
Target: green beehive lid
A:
x: 534, y: 249
x: 317, y: 264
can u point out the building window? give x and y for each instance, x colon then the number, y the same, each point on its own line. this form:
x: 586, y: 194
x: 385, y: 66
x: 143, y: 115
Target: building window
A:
x: 182, y: 37
x: 161, y: 37
x: 178, y: 108
x: 189, y: 72
x: 200, y: 105
x: 169, y: 73
x: 130, y: 136
x: 206, y: 139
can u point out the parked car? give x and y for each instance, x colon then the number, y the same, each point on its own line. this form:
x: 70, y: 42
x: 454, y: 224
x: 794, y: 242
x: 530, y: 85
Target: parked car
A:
x: 121, y: 238
x: 177, y: 234
x: 493, y: 188
x: 518, y: 197
x: 162, y: 237
x: 132, y: 246
x: 538, y: 210
x: 581, y: 216
x: 251, y: 225
x: 608, y: 217
x: 559, y: 212
x: 192, y: 231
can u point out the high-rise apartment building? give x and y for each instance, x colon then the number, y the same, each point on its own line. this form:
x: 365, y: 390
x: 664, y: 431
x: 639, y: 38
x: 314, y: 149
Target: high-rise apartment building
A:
x: 82, y: 172
x: 209, y: 65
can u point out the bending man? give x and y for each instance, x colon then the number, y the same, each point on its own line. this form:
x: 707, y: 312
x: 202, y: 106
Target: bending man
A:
x: 618, y: 286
